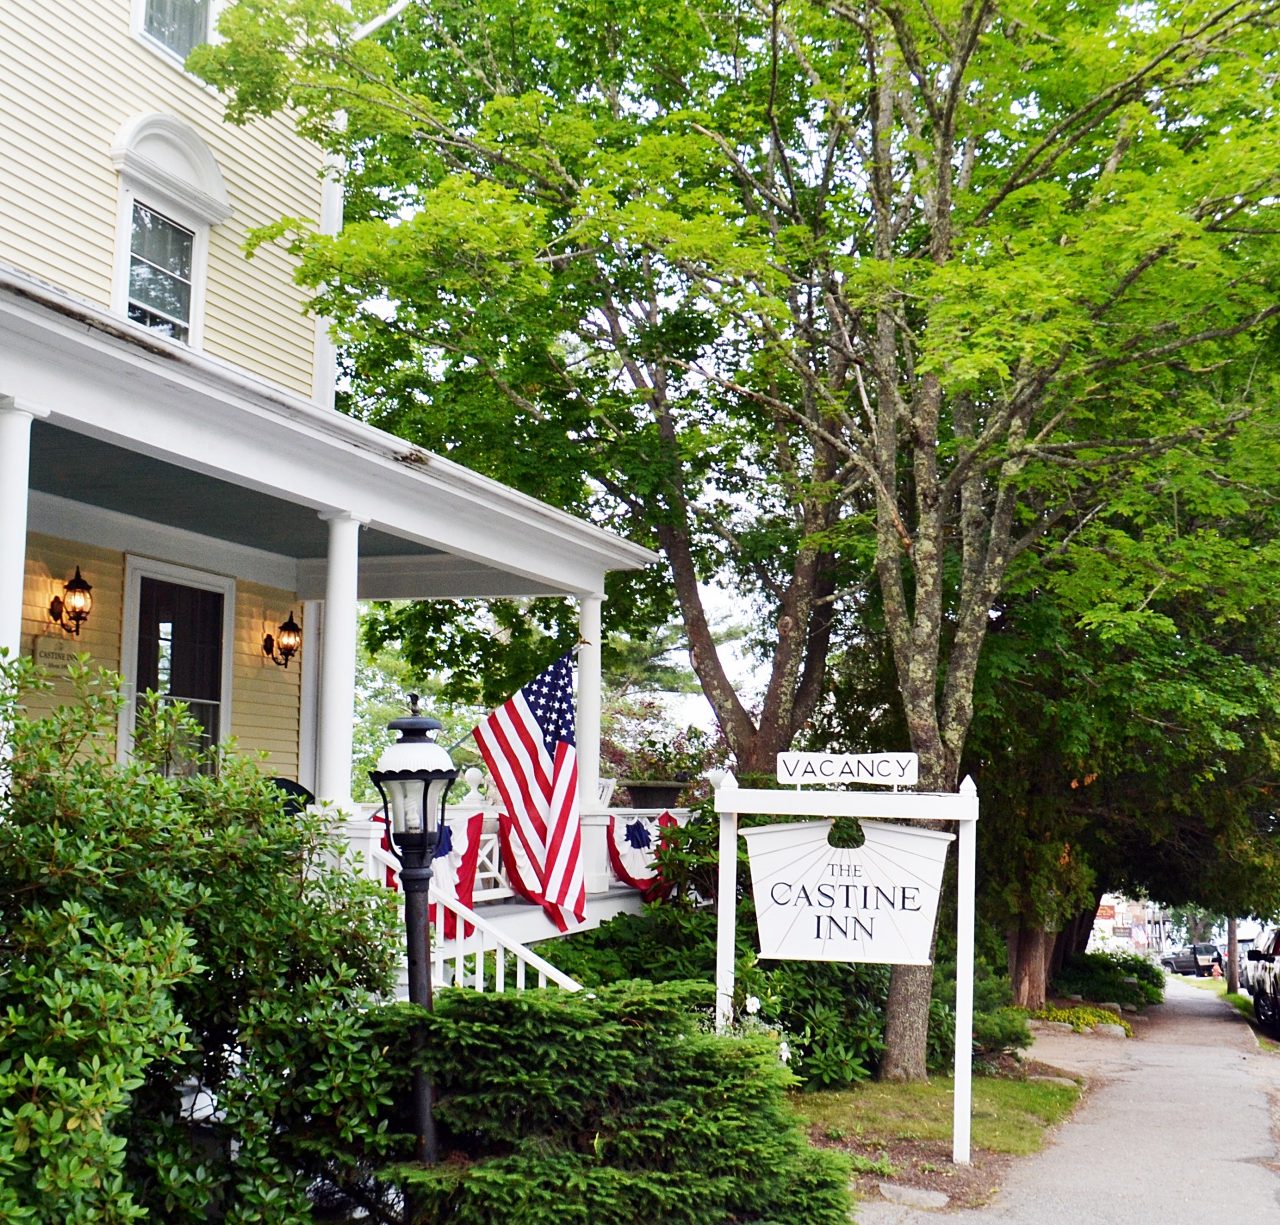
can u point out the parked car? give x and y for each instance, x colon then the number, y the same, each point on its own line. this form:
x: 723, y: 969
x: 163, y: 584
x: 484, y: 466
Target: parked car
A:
x: 1243, y: 945
x: 1264, y: 981
x: 1179, y: 961
x: 1249, y: 966
x: 1197, y: 959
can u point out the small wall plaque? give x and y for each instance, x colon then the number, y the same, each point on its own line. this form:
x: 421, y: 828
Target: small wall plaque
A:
x: 56, y: 653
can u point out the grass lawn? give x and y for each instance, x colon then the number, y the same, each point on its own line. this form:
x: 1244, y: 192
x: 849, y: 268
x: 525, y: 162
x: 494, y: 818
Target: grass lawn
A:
x: 902, y: 1133
x: 1009, y: 1116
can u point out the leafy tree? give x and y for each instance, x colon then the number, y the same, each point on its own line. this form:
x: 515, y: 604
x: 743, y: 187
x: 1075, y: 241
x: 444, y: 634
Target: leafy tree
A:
x: 807, y: 295
x: 384, y: 679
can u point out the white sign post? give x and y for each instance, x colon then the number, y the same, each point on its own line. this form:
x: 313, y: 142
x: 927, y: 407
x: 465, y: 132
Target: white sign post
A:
x: 824, y: 901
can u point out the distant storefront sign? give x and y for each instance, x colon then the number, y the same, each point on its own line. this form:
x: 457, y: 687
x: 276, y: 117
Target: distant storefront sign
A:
x: 1106, y: 912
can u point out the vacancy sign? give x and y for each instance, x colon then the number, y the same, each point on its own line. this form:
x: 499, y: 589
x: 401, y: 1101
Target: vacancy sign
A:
x: 818, y: 902
x: 882, y: 769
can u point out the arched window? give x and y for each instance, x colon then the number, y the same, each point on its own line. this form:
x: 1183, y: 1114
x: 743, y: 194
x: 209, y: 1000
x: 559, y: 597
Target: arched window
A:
x: 171, y: 193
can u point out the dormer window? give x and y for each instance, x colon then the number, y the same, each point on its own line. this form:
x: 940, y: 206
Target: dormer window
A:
x: 177, y: 25
x: 161, y: 258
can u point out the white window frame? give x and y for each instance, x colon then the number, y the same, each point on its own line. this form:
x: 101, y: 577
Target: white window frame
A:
x: 138, y: 27
x: 185, y: 187
x: 199, y: 263
x: 135, y: 570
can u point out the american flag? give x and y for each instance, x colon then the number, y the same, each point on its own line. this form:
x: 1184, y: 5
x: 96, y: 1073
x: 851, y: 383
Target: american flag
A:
x: 528, y: 744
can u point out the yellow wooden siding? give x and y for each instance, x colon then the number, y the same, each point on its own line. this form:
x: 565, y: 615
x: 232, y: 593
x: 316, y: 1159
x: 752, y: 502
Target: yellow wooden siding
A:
x: 50, y: 563
x: 69, y: 84
x: 266, y: 699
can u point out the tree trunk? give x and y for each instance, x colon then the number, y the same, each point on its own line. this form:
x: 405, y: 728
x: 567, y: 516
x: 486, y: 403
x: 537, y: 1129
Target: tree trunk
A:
x: 1058, y: 950
x: 1030, y: 966
x: 906, y: 1029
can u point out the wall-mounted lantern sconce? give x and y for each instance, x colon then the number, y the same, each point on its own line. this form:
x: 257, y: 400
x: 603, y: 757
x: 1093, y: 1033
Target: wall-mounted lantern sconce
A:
x: 283, y: 646
x: 71, y: 609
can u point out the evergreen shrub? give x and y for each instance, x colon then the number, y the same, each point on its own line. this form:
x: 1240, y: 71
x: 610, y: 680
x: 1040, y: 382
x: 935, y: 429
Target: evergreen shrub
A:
x: 831, y: 1014
x: 611, y: 1107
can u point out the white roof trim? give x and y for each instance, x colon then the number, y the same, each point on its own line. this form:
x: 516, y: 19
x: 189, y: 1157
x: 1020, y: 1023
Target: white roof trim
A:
x: 191, y: 181
x: 207, y: 415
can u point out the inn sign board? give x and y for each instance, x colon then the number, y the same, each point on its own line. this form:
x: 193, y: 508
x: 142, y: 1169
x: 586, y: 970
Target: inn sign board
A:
x: 818, y: 902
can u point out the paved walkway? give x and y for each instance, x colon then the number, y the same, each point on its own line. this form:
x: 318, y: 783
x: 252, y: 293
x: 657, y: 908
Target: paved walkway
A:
x: 1176, y: 1129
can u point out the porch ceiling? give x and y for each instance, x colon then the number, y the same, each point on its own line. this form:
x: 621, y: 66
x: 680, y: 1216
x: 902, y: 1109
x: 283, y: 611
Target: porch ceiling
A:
x: 82, y: 469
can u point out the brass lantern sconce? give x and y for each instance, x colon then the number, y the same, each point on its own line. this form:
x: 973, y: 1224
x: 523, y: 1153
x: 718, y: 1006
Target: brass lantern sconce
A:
x: 283, y: 645
x: 71, y: 609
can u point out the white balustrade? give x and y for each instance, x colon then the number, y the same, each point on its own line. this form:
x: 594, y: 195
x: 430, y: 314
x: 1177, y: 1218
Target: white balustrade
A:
x: 482, y: 957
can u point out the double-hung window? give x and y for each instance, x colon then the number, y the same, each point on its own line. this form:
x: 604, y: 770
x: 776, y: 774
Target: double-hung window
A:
x: 171, y: 197
x: 161, y: 259
x: 177, y: 25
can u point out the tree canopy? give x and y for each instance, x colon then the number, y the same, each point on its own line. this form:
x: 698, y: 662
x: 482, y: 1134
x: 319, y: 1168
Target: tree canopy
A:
x: 810, y: 296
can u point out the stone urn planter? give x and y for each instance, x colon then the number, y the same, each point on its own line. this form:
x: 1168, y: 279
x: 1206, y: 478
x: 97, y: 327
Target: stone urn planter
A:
x: 653, y: 793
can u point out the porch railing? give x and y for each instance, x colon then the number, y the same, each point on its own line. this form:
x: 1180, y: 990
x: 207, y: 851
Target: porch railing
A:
x: 479, y: 955
x: 364, y: 835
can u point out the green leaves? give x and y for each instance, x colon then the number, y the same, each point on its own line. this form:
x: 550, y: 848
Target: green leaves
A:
x: 171, y: 940
x: 614, y: 1106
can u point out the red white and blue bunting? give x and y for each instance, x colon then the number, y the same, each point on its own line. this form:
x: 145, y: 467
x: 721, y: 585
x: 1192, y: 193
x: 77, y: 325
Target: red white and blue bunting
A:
x: 633, y: 842
x: 453, y: 870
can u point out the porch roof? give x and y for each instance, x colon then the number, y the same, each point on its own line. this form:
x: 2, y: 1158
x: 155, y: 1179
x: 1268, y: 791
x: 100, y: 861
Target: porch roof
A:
x: 138, y: 437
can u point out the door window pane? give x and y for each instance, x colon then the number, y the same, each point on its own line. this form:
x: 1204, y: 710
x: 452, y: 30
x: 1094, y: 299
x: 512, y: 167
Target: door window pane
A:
x: 180, y: 649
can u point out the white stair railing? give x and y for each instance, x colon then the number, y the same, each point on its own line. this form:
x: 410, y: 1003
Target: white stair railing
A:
x: 480, y: 957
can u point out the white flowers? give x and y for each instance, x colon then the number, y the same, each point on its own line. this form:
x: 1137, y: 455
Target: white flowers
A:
x: 752, y: 1004
x: 784, y: 1053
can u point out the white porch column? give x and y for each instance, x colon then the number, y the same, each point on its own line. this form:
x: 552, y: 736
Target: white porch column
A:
x: 15, y: 475
x: 338, y: 661
x: 595, y: 822
x: 588, y: 715
x: 309, y: 720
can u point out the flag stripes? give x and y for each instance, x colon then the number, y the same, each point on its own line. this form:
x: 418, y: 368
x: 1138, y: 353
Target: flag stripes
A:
x: 529, y: 747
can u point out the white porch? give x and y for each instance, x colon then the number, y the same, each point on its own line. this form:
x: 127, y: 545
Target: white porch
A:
x: 120, y: 439
x: 505, y: 923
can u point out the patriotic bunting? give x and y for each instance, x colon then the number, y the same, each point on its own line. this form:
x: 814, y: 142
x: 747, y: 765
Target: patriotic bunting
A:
x: 633, y: 842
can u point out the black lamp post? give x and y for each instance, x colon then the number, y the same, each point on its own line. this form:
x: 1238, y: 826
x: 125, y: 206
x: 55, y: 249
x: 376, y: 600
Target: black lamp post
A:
x: 413, y: 777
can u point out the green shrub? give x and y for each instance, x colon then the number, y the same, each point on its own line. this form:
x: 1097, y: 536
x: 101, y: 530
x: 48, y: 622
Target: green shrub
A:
x: 1082, y: 1018
x: 1101, y: 977
x: 1001, y: 1030
x: 614, y: 1107
x: 831, y: 1013
x: 164, y: 938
